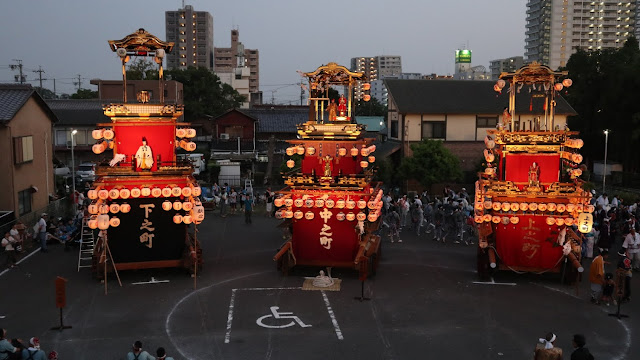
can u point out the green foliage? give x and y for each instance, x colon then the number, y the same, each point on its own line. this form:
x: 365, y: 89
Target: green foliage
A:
x: 85, y: 94
x: 142, y: 69
x: 372, y: 107
x: 204, y: 94
x: 430, y: 164
x: 605, y: 94
x: 387, y: 172
x: 46, y: 93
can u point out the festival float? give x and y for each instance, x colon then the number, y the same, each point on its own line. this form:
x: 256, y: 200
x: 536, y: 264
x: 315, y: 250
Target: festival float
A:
x: 530, y: 195
x: 144, y: 200
x: 330, y: 208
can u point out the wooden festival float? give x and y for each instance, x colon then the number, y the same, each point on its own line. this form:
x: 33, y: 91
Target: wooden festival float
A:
x: 144, y: 200
x: 330, y: 208
x: 530, y: 193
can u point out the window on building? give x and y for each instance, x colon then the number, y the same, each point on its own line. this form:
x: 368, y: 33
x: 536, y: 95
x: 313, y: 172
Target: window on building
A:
x: 24, y: 201
x: 434, y: 130
x: 61, y: 137
x: 394, y: 129
x: 234, y: 131
x: 486, y: 122
x: 23, y: 149
x: 81, y: 138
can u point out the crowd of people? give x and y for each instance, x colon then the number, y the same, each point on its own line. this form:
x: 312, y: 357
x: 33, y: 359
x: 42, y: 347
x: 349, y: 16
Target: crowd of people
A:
x: 450, y: 213
x: 615, y: 227
x: 16, y: 349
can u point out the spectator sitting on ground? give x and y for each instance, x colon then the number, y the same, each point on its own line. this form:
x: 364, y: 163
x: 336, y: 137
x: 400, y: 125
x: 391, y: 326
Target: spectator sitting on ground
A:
x: 138, y: 353
x: 33, y: 352
x: 162, y: 354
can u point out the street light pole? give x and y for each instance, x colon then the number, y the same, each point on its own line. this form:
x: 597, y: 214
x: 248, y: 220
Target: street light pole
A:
x: 604, y: 174
x: 73, y: 169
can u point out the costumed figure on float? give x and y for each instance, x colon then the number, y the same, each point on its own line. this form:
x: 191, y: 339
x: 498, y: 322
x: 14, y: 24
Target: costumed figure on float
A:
x: 530, y: 205
x: 330, y: 209
x: 144, y: 200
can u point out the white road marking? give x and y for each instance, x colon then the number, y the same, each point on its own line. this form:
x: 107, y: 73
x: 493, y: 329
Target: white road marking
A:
x: 227, y: 336
x: 493, y: 282
x: 332, y: 315
x: 280, y: 315
x: 21, y: 260
x: 152, y: 281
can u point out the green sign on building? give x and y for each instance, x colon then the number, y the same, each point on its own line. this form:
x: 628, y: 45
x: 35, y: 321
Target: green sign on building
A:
x: 463, y: 56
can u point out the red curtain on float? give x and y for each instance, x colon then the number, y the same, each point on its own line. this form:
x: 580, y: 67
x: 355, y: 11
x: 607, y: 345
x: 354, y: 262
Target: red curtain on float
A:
x: 531, y: 243
x: 517, y: 167
x: 346, y: 164
x: 160, y: 138
x: 307, y: 236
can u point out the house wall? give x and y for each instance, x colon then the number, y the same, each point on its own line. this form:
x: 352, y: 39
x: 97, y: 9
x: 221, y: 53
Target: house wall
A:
x: 234, y: 118
x: 30, y: 120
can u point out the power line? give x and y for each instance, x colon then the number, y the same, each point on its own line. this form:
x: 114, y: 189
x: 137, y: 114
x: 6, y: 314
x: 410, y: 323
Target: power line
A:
x: 39, y: 71
x: 18, y: 78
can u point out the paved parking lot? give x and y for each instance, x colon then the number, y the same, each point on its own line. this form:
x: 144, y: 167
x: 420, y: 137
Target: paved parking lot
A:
x: 424, y: 304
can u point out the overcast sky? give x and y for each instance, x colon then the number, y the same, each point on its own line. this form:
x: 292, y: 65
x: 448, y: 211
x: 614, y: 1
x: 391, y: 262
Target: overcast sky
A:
x: 69, y: 37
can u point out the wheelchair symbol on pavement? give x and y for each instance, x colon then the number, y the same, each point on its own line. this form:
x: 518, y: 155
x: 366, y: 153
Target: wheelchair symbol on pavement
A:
x: 280, y: 315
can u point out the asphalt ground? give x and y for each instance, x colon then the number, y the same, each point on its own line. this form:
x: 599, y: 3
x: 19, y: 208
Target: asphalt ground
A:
x: 424, y: 304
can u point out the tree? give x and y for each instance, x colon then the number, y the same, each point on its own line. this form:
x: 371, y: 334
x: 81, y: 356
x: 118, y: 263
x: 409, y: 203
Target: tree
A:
x: 46, y: 93
x: 85, y: 94
x: 605, y: 95
x: 372, y: 107
x: 204, y: 93
x: 142, y: 69
x: 431, y: 163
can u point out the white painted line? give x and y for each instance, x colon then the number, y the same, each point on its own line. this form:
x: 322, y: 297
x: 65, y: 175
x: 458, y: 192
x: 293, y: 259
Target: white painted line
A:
x: 2, y: 316
x: 227, y: 336
x: 152, y: 281
x: 21, y: 260
x: 493, y: 282
x: 332, y: 316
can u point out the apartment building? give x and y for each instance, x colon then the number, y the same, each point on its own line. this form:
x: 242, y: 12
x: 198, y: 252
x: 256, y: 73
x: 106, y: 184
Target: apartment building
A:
x: 192, y: 33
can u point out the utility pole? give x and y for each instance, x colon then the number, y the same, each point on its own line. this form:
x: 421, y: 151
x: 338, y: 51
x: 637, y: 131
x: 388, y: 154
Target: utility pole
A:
x: 40, y: 71
x: 18, y: 78
x: 79, y: 82
x: 54, y: 89
x: 301, y: 93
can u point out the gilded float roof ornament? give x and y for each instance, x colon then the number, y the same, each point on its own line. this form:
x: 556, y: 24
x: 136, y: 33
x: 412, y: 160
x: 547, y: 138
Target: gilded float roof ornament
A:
x: 141, y: 40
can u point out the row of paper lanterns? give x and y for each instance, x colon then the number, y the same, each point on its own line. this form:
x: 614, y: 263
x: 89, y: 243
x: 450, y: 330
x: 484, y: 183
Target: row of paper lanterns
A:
x: 102, y: 222
x: 95, y: 209
x: 329, y: 203
x: 575, y: 157
x: 145, y: 191
x: 310, y: 150
x: 186, y: 145
x: 106, y: 134
x: 100, y: 147
x: 195, y: 215
x: 574, y: 143
x: 363, y: 164
x: 551, y: 207
x: 515, y: 220
x: 185, y: 132
x: 309, y: 215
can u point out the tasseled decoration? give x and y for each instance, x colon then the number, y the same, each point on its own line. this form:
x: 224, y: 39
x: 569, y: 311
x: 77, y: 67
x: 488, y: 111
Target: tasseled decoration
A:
x: 531, y: 104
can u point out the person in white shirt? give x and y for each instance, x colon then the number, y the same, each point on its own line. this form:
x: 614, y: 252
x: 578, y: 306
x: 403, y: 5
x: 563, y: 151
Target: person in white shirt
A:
x: 631, y: 245
x: 614, y: 202
x: 8, y: 243
x: 603, y: 201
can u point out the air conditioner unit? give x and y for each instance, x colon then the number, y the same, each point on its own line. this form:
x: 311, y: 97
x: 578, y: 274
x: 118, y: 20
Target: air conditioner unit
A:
x: 224, y: 136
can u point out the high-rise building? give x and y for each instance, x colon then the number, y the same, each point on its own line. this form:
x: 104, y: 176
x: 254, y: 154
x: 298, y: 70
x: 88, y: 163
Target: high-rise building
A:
x: 557, y: 28
x: 376, y: 68
x: 192, y: 33
x: 236, y: 57
x: 499, y: 66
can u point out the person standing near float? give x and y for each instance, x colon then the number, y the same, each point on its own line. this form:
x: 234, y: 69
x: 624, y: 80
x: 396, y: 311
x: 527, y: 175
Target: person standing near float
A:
x: 144, y: 156
x: 631, y: 246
